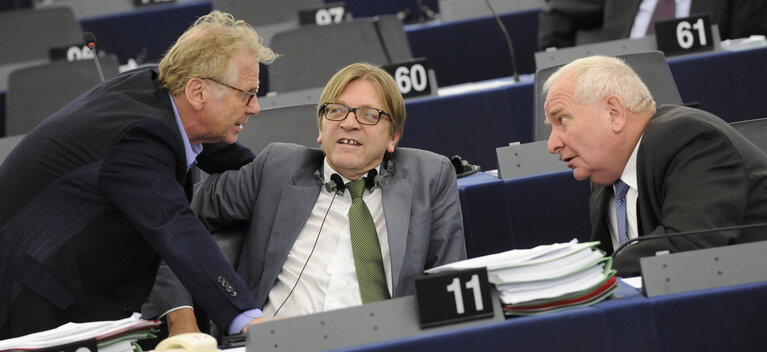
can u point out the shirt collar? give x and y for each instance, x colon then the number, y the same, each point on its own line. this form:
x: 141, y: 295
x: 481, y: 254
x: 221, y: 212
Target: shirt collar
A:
x: 629, y: 175
x: 328, y: 171
x: 190, y: 150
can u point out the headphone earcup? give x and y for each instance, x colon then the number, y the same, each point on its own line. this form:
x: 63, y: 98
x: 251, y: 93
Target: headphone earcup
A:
x: 462, y: 167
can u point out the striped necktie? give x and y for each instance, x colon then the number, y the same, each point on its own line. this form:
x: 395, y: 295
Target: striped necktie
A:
x: 365, y: 247
x: 621, y: 189
x: 664, y: 10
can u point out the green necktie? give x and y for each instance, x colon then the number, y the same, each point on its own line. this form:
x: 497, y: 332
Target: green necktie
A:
x: 365, y: 247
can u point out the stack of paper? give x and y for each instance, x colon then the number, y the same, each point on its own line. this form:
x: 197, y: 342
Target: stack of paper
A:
x: 110, y: 336
x: 546, y: 278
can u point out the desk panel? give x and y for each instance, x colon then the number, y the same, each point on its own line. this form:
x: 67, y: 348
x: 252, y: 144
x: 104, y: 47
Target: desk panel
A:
x: 472, y: 124
x: 499, y: 215
x: 725, y: 319
x: 731, y: 85
x: 579, y: 329
x: 628, y: 319
x: 370, y: 8
x: 146, y: 32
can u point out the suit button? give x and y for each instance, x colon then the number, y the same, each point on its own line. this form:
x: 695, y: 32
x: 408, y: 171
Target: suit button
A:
x: 222, y: 281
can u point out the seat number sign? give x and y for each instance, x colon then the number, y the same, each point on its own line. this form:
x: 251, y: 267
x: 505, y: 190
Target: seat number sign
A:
x: 453, y: 297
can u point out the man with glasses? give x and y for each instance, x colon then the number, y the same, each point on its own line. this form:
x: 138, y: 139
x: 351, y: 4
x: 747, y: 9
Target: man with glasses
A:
x: 95, y: 195
x: 298, y: 255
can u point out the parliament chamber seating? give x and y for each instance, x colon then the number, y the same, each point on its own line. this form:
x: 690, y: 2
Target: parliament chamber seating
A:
x: 36, y: 92
x: 466, y: 52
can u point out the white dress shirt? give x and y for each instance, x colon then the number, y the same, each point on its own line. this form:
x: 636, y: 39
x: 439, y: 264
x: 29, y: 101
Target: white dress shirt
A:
x: 329, y: 279
x: 629, y: 177
x: 642, y: 19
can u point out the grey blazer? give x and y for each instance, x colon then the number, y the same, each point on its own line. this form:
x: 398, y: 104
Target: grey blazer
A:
x: 277, y: 191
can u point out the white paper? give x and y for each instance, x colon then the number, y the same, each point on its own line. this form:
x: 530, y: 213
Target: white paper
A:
x: 74, y: 332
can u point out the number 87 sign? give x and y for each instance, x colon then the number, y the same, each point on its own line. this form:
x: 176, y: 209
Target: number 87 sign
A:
x: 453, y: 297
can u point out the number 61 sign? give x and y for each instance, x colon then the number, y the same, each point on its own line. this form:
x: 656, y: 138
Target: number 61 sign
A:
x: 684, y: 35
x: 452, y: 297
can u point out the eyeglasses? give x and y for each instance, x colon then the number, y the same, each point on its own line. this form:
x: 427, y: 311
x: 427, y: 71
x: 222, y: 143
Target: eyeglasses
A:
x: 250, y: 95
x: 364, y: 115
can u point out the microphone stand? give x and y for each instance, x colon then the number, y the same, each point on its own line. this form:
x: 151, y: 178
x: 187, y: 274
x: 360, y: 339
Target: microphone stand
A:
x: 508, y: 41
x: 90, y: 41
x: 96, y: 59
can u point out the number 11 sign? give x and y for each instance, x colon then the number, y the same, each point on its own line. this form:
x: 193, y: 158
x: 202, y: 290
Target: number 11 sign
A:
x: 453, y: 297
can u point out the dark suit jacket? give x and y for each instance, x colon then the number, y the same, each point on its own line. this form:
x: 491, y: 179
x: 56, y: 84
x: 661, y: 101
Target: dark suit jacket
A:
x: 694, y: 172
x: 565, y: 23
x: 277, y: 192
x: 93, y: 197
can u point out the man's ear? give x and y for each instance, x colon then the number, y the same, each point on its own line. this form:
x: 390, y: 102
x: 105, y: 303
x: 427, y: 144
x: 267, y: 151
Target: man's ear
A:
x: 319, y: 134
x: 195, y: 93
x: 393, y: 142
x: 618, y: 112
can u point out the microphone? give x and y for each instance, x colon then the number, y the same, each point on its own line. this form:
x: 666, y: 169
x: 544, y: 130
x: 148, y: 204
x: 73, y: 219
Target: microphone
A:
x: 376, y: 178
x: 90, y: 41
x: 371, y: 180
x: 424, y: 12
x: 685, y: 233
x: 508, y: 41
x: 336, y: 184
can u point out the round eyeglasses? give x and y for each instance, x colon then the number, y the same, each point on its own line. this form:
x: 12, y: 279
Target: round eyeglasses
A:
x: 250, y: 95
x: 364, y: 115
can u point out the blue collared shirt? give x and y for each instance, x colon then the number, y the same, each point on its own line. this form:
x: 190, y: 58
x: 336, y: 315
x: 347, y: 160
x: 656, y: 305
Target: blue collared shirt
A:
x: 191, y: 150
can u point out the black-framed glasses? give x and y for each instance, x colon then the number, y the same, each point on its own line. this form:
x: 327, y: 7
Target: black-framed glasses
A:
x: 364, y: 115
x: 250, y: 95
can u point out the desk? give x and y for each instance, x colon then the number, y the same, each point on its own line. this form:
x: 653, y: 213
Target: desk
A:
x: 731, y: 85
x: 453, y: 48
x: 722, y: 319
x: 475, y: 49
x: 370, y: 8
x: 728, y: 84
x: 146, y: 32
x: 471, y: 124
x: 499, y: 215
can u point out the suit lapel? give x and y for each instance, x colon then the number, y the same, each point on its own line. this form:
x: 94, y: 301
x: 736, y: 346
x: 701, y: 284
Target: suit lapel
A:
x: 698, y: 7
x: 618, y: 18
x: 397, y: 194
x: 293, y: 209
x: 600, y: 199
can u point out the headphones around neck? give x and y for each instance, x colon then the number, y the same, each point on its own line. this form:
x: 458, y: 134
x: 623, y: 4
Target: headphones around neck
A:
x: 336, y: 183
